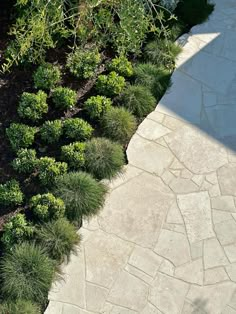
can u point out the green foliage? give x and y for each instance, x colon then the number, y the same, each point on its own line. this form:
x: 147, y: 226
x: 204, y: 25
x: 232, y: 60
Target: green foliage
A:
x: 58, y: 238
x: 121, y: 65
x: 162, y: 52
x: 10, y: 193
x: 119, y: 124
x: 194, y: 12
x: 51, y: 131
x: 26, y: 161
x: 154, y: 78
x: 33, y: 106
x: 73, y: 154
x: 103, y: 159
x: 64, y: 97
x: 78, y: 129
x: 16, y: 230
x: 111, y: 84
x: 47, y: 206
x: 19, y: 307
x: 49, y: 169
x: 20, y: 135
x: 47, y: 76
x: 83, y: 63
x: 139, y: 100
x: 26, y: 273
x: 81, y: 193
x: 96, y: 106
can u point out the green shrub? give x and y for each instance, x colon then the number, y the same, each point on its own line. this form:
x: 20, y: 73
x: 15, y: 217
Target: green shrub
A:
x: 156, y: 79
x: 10, y: 193
x: 103, y: 159
x: 121, y: 65
x: 16, y: 230
x: 26, y: 273
x: 119, y: 125
x: 51, y: 131
x: 33, y: 106
x: 81, y: 193
x: 47, y: 206
x: 64, y: 97
x: 78, y: 129
x: 47, y: 76
x: 26, y: 161
x: 58, y: 238
x: 111, y: 84
x: 194, y: 12
x: 96, y: 106
x: 162, y: 52
x: 19, y: 307
x: 83, y: 63
x: 20, y: 135
x: 73, y: 154
x: 49, y: 169
x: 139, y: 100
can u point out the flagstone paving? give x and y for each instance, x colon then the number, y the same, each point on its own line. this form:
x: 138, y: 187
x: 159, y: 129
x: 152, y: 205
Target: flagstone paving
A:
x: 165, y: 242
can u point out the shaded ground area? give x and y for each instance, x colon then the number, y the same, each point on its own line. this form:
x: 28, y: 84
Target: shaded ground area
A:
x: 166, y: 239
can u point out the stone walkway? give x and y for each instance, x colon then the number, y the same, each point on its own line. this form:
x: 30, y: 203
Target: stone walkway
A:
x: 166, y: 239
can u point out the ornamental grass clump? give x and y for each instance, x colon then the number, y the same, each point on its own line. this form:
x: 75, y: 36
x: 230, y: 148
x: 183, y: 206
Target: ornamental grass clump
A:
x: 121, y: 65
x: 51, y: 131
x: 58, y: 238
x: 81, y: 193
x: 73, y: 154
x: 19, y: 307
x: 10, y: 193
x: 103, y: 158
x: 118, y: 124
x: 77, y: 129
x: 110, y: 85
x: 96, y: 106
x: 20, y: 135
x: 26, y: 273
x: 64, y: 97
x: 26, y: 161
x: 47, y: 76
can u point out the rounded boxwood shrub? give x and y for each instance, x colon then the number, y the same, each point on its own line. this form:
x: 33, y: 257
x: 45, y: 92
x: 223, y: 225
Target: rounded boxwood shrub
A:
x: 156, y: 79
x: 103, y: 158
x: 81, y: 193
x: 26, y: 160
x: 49, y: 169
x: 10, y: 193
x: 82, y: 63
x: 58, y: 238
x: 96, y: 106
x: 51, y: 131
x: 20, y: 135
x: 111, y: 84
x: 121, y: 65
x: 119, y: 125
x: 47, y: 206
x: 64, y: 97
x: 26, y: 273
x: 19, y: 307
x: 16, y: 230
x: 73, y: 154
x: 78, y: 129
x: 47, y: 76
x: 33, y: 106
x: 139, y: 100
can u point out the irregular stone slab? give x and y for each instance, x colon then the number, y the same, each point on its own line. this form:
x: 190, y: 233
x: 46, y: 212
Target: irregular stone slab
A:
x: 136, y: 292
x: 156, y: 116
x: 114, y: 309
x: 150, y: 309
x: 145, y: 260
x: 198, y: 179
x: 231, y: 270
x: 138, y: 273
x: 168, y: 294
x: 199, y: 153
x: 215, y: 275
x: 213, y: 254
x: 167, y: 268
x: 220, y: 216
x: 226, y: 232
x: 227, y: 179
x: 181, y: 185
x: 196, y: 211
x: 174, y: 216
x: 225, y: 203
x: 193, y: 309
x: 196, y: 249
x: 152, y: 130
x: 172, y: 123
x: 136, y: 210
x: 148, y: 156
x: 95, y: 297
x: 212, y: 299
x: 212, y: 178
x: 230, y: 251
x: 174, y: 247
x: 105, y: 255
x: 191, y: 272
